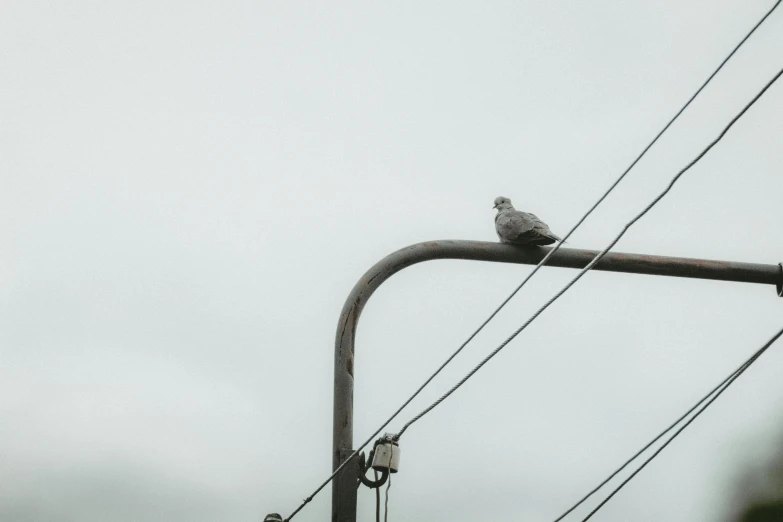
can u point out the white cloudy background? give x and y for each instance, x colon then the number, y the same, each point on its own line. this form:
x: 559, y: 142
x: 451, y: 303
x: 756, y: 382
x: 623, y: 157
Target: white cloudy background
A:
x: 189, y: 190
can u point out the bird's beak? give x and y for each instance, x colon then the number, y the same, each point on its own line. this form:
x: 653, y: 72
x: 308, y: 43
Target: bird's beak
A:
x: 495, y: 206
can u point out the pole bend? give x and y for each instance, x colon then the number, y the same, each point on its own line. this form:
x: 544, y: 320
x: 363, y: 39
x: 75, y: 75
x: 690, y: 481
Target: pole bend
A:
x: 344, y: 485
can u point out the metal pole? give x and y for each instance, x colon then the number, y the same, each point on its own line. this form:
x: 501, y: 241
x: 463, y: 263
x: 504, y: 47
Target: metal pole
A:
x: 344, y: 485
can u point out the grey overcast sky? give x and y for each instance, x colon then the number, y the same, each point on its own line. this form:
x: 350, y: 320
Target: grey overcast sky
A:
x: 189, y: 190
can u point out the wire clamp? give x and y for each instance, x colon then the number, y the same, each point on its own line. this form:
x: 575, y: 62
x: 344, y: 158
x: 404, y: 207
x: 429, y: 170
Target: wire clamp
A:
x: 384, y: 458
x: 386, y: 454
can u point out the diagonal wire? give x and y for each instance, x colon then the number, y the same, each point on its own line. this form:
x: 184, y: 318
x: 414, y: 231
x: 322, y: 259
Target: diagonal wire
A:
x: 595, y: 260
x: 537, y: 267
x: 581, y: 220
x: 664, y: 432
x: 645, y: 448
x: 724, y: 385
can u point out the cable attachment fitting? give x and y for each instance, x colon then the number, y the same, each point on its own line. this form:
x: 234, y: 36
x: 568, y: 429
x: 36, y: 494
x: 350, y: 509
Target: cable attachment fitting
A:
x: 386, y: 454
x: 384, y: 458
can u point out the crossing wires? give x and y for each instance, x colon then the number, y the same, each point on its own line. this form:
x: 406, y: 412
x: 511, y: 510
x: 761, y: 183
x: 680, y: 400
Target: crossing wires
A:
x: 712, y: 396
x: 596, y: 259
x: 355, y: 453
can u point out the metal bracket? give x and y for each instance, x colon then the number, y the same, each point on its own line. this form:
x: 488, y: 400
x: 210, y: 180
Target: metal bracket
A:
x: 364, y: 467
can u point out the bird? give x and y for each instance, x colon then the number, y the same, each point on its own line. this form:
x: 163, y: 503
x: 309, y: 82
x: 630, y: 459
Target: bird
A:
x: 520, y: 228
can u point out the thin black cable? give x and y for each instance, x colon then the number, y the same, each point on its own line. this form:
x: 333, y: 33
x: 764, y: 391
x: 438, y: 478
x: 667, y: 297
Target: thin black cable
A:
x: 647, y: 446
x: 388, y: 485
x: 581, y: 220
x: 377, y: 499
x: 537, y: 267
x: 595, y: 259
x: 656, y: 439
x: 733, y: 378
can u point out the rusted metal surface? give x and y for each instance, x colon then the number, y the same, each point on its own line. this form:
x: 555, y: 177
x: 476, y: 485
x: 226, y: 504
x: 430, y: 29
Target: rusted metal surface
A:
x: 343, y: 495
x: 344, y: 488
x: 780, y: 280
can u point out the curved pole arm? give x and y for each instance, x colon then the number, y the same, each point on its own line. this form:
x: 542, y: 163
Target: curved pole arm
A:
x: 344, y: 485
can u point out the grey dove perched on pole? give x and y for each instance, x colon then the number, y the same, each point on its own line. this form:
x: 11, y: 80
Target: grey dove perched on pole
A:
x: 520, y: 228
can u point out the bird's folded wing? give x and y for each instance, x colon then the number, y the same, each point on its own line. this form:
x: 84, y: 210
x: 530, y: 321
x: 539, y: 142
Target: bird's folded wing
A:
x: 511, y: 225
x: 540, y: 227
x: 535, y: 220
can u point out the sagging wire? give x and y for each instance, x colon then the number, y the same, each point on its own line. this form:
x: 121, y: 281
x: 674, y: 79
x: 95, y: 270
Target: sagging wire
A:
x: 595, y: 260
x: 715, y: 394
x: 533, y: 272
x: 557, y: 246
x: 658, y: 437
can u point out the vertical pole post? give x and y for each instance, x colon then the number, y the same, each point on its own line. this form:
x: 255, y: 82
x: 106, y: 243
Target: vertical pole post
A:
x: 344, y: 490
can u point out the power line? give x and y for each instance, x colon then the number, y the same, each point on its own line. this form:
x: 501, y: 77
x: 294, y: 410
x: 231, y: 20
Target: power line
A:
x: 667, y: 430
x: 557, y: 246
x: 595, y: 259
x: 533, y: 272
x: 733, y: 377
